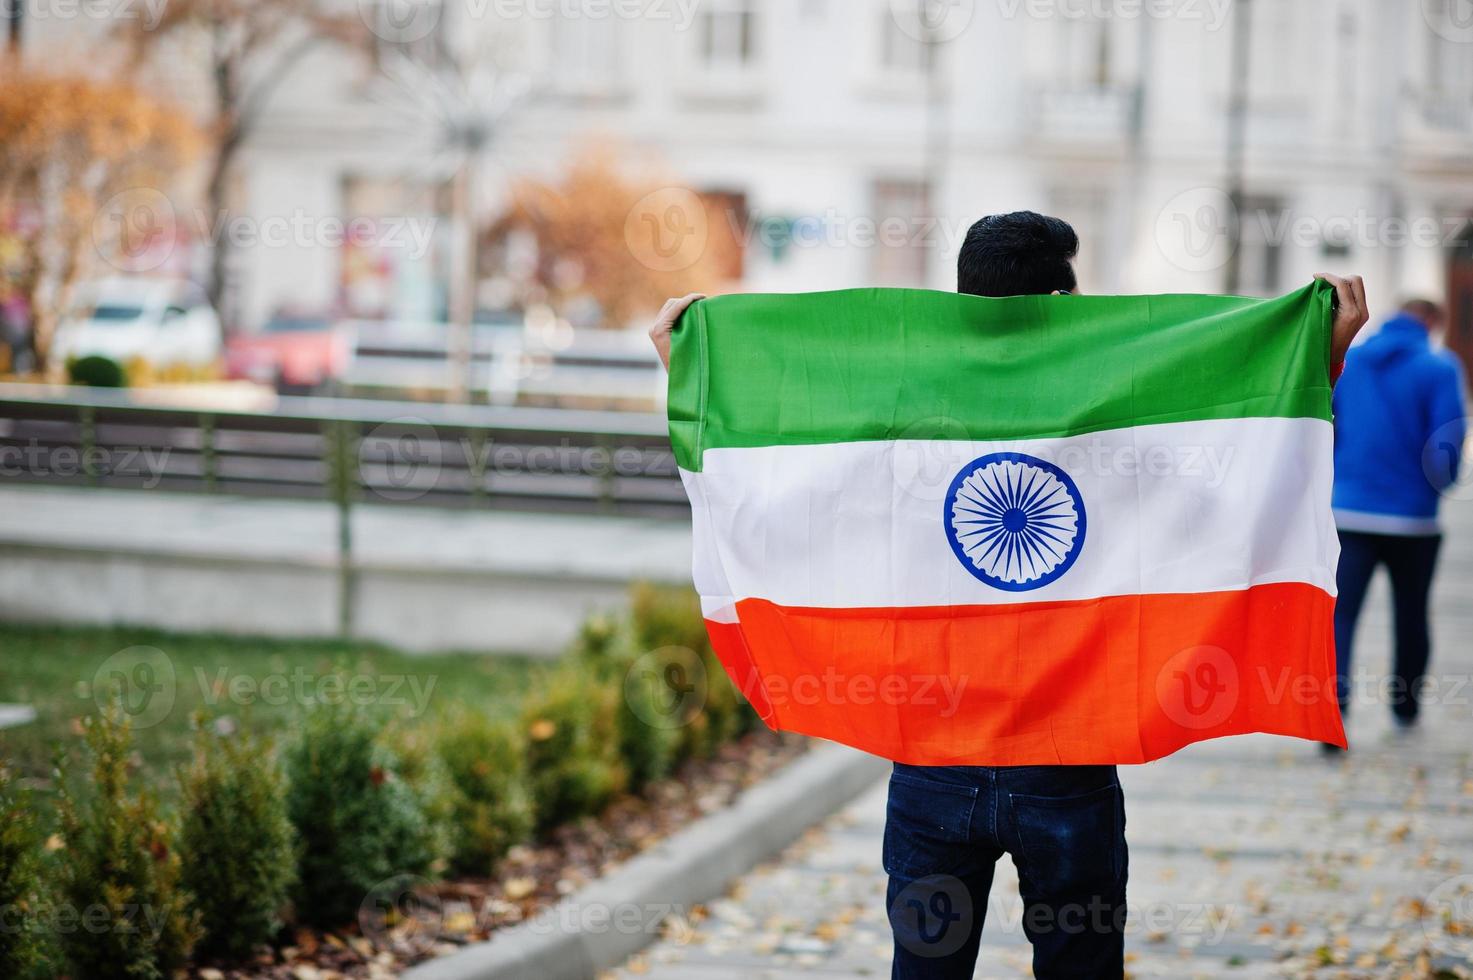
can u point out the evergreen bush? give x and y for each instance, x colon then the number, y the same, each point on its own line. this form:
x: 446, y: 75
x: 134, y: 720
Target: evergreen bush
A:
x: 122, y: 911
x: 491, y: 808
x: 236, y: 842
x: 21, y: 941
x: 97, y: 371
x: 573, y: 764
x: 360, y: 824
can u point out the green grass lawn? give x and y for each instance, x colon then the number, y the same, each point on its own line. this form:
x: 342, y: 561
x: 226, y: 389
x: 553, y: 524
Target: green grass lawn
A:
x: 260, y: 684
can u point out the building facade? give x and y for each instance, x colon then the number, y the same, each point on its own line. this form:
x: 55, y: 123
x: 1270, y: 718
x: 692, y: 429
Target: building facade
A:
x: 851, y: 142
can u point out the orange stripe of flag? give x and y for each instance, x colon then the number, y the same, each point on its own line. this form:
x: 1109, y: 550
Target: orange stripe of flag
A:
x: 1112, y: 680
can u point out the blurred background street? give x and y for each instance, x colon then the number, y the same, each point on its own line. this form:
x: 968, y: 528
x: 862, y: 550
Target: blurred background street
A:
x: 324, y: 368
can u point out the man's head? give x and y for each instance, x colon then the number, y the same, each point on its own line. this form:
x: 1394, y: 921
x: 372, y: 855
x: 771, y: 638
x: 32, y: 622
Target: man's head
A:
x: 1428, y: 313
x: 1017, y: 254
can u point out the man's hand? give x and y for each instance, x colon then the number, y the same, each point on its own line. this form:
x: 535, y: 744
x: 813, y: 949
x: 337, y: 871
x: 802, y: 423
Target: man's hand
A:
x: 666, y: 321
x: 1351, y: 313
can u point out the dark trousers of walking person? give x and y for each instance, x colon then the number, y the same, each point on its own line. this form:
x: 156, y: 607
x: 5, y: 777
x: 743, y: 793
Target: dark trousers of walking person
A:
x: 1064, y: 827
x: 1410, y: 562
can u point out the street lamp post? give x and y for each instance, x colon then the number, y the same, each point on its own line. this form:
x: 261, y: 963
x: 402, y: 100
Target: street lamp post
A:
x: 464, y: 265
x: 459, y: 103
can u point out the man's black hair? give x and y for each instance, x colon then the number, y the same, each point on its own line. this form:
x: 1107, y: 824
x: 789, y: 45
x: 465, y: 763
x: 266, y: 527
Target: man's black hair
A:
x: 1017, y: 254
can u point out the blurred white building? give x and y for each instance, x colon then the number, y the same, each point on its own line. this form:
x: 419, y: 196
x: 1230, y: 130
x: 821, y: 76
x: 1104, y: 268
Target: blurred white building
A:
x: 821, y: 126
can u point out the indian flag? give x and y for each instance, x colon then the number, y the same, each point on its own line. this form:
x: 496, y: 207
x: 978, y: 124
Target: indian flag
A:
x: 1037, y: 530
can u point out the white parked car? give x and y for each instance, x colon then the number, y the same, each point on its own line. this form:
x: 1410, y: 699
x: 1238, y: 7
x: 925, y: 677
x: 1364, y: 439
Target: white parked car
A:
x: 161, y: 321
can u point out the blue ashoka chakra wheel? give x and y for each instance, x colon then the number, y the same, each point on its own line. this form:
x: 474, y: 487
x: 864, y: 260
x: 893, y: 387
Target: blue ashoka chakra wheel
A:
x: 1014, y: 521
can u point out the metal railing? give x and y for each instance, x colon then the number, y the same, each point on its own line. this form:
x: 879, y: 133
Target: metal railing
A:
x: 345, y: 451
x: 544, y: 459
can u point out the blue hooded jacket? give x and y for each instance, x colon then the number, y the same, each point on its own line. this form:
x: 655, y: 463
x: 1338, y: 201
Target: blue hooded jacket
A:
x: 1399, y: 431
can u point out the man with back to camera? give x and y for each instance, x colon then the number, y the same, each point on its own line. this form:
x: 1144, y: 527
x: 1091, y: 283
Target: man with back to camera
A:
x: 947, y: 826
x: 1399, y: 434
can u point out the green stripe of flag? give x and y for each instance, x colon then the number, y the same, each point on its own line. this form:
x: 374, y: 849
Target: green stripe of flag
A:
x: 884, y: 364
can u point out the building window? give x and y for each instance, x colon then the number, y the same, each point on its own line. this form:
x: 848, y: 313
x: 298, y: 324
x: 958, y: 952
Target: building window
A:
x: 1261, y: 246
x: 585, y: 51
x: 901, y: 52
x: 726, y: 30
x: 380, y: 277
x: 903, y: 233
x: 1085, y: 53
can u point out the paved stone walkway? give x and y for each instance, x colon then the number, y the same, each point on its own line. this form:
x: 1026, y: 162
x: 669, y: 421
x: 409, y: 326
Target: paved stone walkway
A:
x: 1249, y: 857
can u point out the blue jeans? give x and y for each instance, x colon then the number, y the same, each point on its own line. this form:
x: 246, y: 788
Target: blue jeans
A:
x: 1065, y: 829
x: 1410, y: 561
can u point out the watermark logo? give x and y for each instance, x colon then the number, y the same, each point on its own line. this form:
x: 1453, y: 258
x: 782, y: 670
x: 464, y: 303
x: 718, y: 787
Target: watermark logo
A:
x: 142, y: 679
x: 147, y: 464
x: 926, y: 455
x: 1447, y: 916
x: 933, y: 21
x: 666, y: 688
x: 1198, y: 687
x: 145, y: 682
x: 402, y: 914
x: 148, y: 13
x: 1211, y: 13
x: 1447, y: 460
x: 401, y: 21
x: 139, y: 230
x: 1197, y: 228
x: 1451, y: 20
x: 941, y: 692
x: 400, y: 460
x: 667, y: 230
x: 932, y: 916
x: 135, y: 230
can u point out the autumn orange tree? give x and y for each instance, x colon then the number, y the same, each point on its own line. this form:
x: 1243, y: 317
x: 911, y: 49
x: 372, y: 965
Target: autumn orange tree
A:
x: 71, y: 150
x: 581, y: 227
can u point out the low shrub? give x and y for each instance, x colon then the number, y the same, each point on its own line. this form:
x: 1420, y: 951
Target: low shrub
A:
x: 236, y: 842
x: 647, y: 735
x: 424, y: 772
x: 491, y: 805
x: 21, y: 940
x: 601, y: 641
x: 360, y: 824
x: 573, y: 764
x: 97, y: 371
x: 118, y: 871
x: 666, y: 616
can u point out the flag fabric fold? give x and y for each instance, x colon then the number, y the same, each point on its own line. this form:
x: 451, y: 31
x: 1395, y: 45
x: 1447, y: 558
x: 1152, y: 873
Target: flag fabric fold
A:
x: 1039, y: 530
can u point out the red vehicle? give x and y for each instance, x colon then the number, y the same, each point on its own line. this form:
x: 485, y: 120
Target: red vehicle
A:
x: 292, y: 352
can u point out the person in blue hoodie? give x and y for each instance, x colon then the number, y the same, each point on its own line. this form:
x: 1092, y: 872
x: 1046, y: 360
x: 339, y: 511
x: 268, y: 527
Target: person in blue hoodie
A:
x: 1399, y: 430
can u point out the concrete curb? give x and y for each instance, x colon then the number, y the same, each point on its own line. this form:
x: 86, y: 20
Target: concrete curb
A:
x: 615, y: 917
